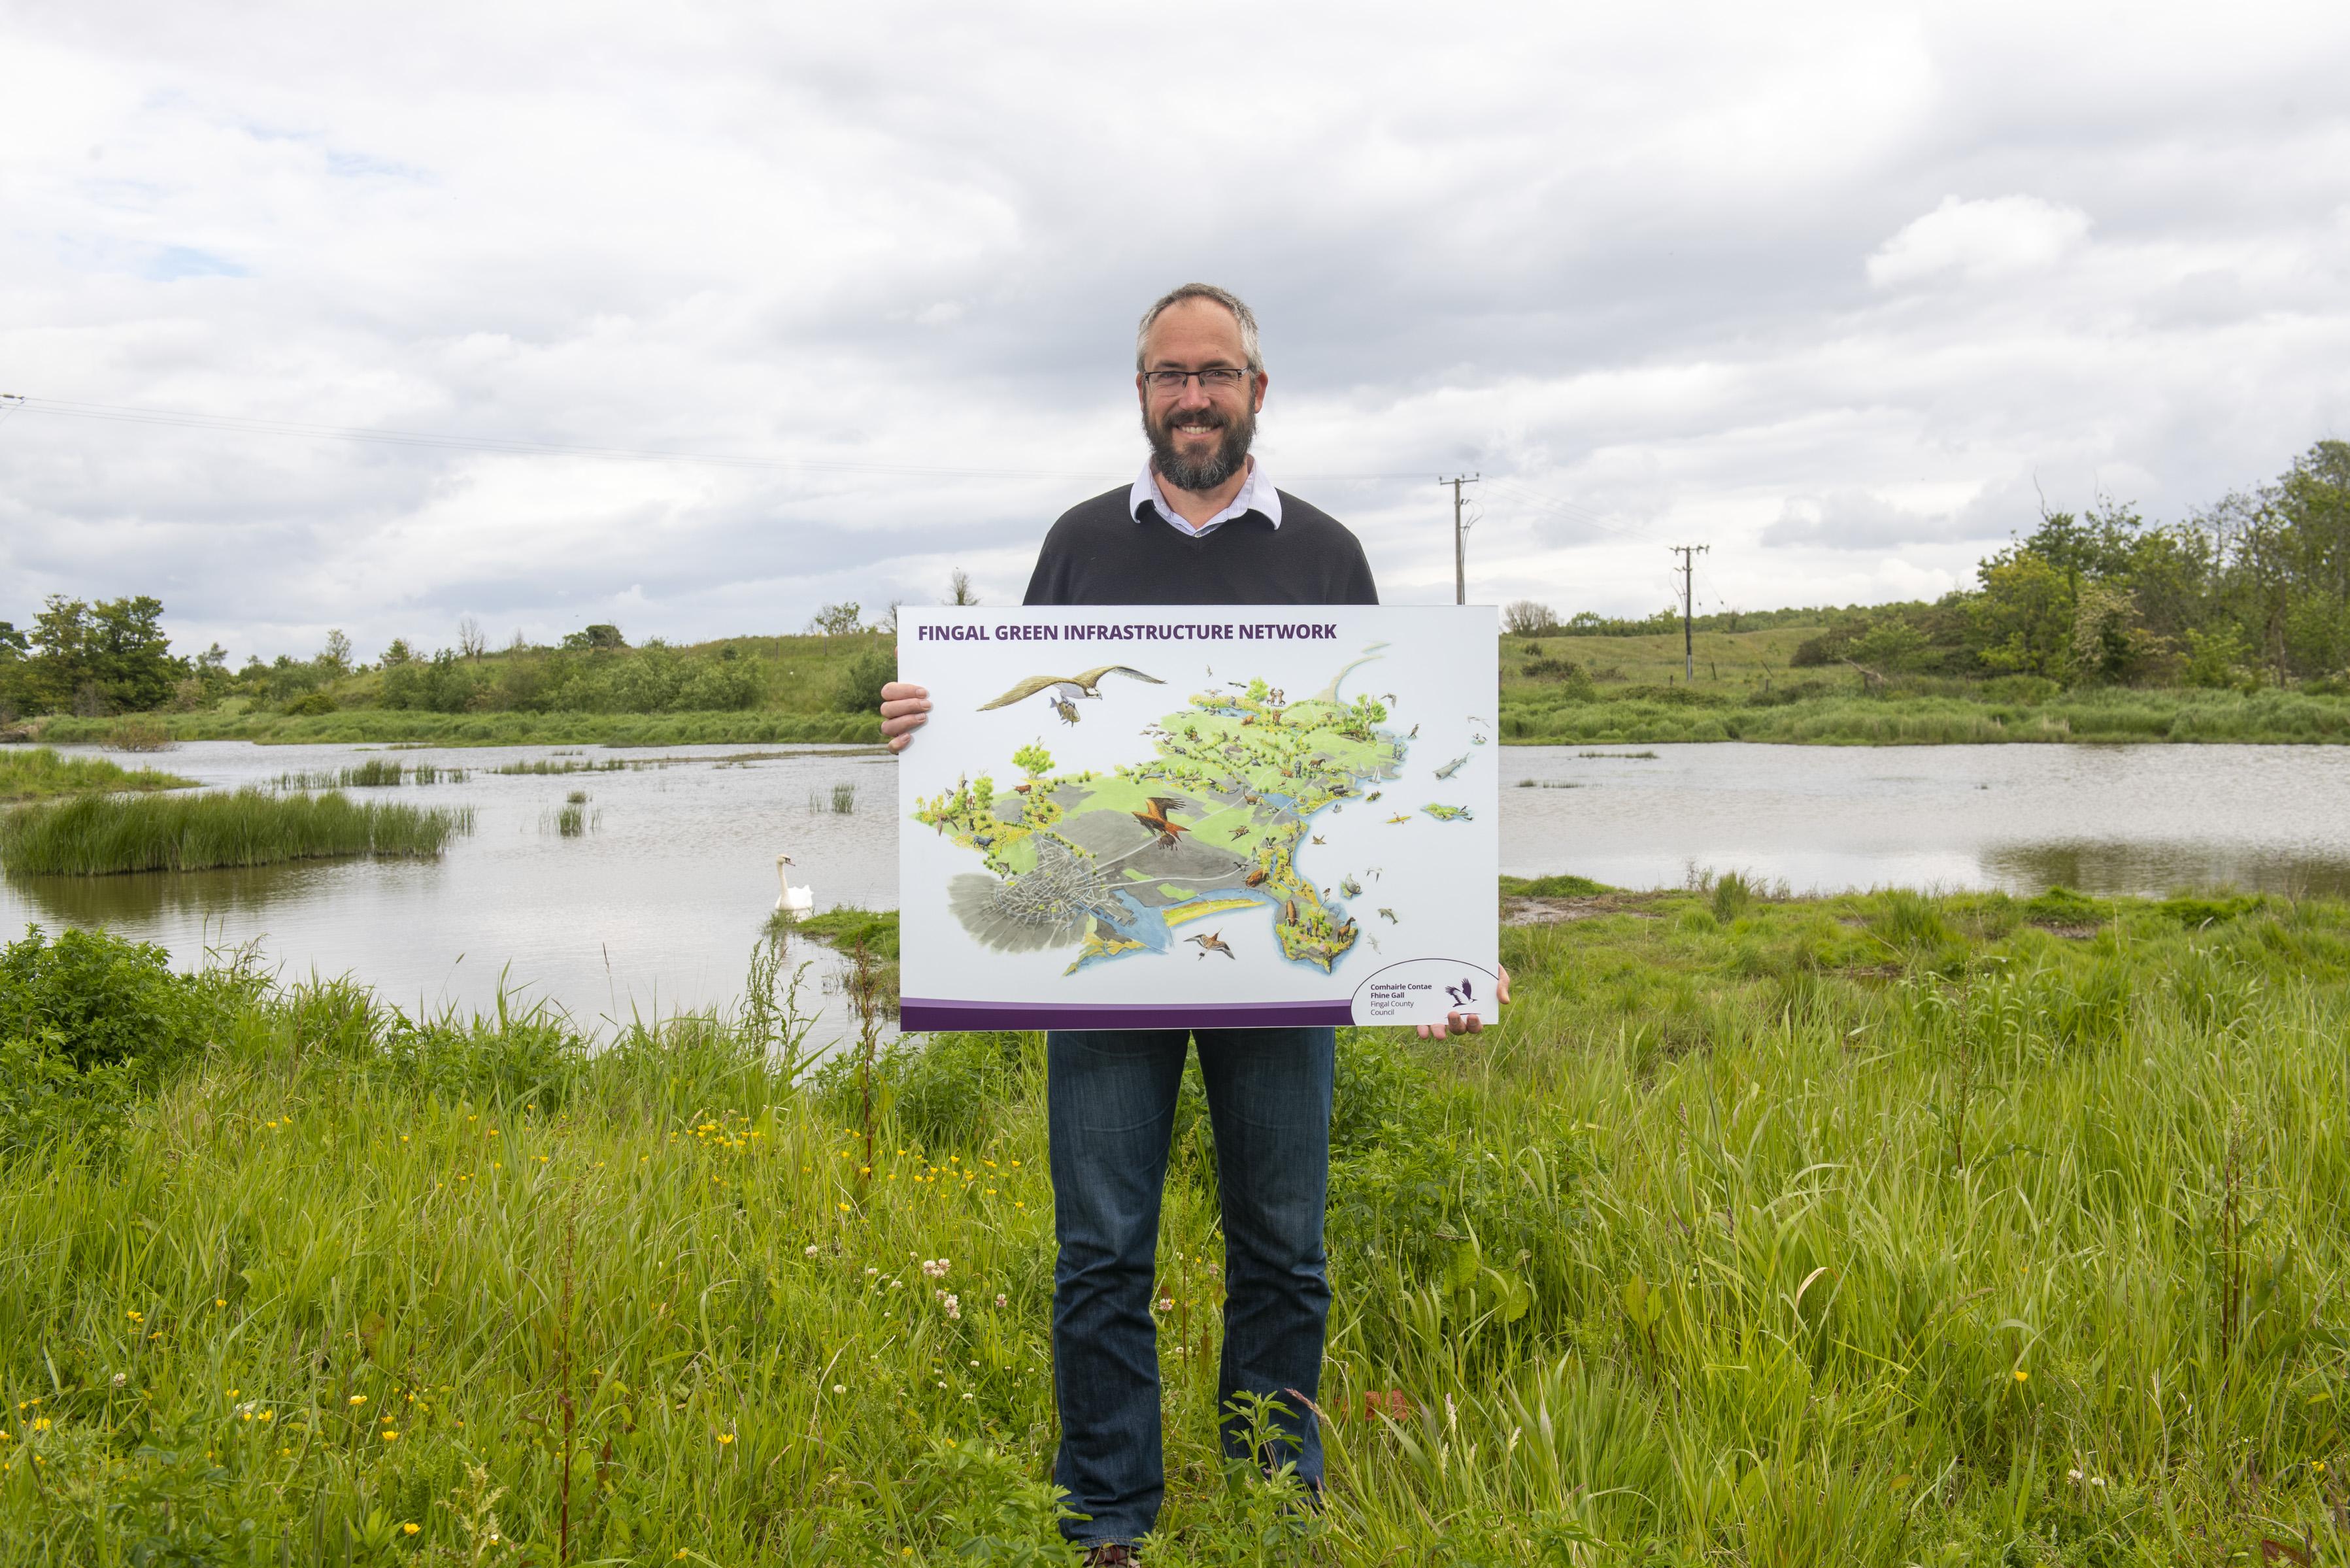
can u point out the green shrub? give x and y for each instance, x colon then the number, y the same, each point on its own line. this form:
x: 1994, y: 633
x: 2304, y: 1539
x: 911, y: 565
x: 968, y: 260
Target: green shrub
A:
x: 100, y: 1001
x: 88, y: 1023
x: 857, y: 689
x: 46, y: 1099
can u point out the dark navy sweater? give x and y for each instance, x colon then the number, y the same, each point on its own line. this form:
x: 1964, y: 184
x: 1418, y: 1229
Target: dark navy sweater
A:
x: 1101, y: 554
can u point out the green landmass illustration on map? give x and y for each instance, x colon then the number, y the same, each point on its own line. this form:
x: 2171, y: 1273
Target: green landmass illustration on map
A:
x: 1210, y: 825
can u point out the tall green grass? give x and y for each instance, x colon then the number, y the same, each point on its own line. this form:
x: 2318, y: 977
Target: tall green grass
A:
x: 39, y: 773
x: 1880, y: 1230
x: 98, y: 835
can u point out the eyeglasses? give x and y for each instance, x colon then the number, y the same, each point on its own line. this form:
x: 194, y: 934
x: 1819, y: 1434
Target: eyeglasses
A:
x: 1218, y: 379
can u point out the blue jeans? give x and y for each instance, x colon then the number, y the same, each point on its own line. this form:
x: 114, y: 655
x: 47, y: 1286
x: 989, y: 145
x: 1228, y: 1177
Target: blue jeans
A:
x: 1112, y: 1110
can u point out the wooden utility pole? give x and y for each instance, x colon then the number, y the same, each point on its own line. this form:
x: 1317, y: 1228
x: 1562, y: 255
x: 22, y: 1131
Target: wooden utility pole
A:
x: 1460, y: 538
x: 1689, y: 639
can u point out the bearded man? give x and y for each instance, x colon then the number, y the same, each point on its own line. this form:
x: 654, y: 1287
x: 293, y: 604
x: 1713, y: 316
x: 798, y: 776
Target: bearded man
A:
x: 1202, y: 524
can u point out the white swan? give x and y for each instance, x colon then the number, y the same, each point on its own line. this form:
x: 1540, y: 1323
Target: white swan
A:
x: 792, y: 900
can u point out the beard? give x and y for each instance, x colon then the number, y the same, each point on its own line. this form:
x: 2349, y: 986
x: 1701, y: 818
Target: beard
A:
x: 1200, y: 474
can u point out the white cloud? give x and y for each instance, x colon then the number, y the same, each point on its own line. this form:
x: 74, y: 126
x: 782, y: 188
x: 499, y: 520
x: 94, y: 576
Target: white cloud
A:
x: 1996, y: 238
x: 894, y: 253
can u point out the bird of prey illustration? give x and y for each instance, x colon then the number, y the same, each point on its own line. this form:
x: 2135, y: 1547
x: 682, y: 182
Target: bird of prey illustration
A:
x: 1317, y: 839
x: 1448, y: 769
x: 1156, y: 820
x: 1214, y: 942
x: 1462, y: 994
x: 1415, y: 734
x: 1389, y: 915
x: 1068, y: 688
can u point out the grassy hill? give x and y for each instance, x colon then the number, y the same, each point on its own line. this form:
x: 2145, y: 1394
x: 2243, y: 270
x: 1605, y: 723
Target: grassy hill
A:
x: 1555, y: 689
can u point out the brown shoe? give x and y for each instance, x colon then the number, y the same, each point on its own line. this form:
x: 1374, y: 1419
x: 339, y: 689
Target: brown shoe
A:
x: 1114, y: 1555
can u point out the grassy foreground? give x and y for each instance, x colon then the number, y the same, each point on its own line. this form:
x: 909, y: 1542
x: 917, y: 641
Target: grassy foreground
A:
x: 40, y: 773
x: 1873, y: 1230
x: 95, y: 836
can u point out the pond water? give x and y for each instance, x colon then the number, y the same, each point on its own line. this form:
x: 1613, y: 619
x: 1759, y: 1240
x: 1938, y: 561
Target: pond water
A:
x: 2102, y: 819
x: 657, y: 904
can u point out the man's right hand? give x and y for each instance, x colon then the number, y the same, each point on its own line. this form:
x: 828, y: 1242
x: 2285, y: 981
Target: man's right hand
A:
x: 905, y: 708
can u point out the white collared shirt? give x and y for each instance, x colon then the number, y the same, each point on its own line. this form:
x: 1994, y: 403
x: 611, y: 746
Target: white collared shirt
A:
x: 1256, y: 495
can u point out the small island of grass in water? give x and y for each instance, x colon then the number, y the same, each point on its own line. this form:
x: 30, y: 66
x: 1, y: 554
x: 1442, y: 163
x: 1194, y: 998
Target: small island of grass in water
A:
x: 41, y: 773
x: 96, y: 835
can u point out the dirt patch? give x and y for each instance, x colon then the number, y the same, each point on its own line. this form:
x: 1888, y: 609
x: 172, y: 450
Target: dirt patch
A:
x: 1560, y: 911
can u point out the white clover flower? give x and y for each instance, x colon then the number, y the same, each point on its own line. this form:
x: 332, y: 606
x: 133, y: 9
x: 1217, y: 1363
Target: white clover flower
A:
x: 811, y: 1249
x: 936, y: 1268
x: 840, y: 1387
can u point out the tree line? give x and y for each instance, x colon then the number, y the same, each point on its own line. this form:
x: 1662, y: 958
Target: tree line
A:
x: 2253, y: 591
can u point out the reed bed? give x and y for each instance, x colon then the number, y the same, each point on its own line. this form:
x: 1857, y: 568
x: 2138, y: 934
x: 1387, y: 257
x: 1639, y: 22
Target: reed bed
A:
x: 544, y: 767
x: 1883, y: 1229
x: 39, y: 773
x: 374, y: 773
x: 103, y: 834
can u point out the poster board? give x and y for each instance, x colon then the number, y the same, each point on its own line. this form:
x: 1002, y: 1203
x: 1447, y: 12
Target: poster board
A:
x: 1199, y: 816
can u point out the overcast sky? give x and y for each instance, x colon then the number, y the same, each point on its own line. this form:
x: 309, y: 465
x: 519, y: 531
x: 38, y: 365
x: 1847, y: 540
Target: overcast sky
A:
x: 1830, y: 290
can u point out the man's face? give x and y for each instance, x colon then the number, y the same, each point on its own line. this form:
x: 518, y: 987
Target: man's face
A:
x: 1199, y: 434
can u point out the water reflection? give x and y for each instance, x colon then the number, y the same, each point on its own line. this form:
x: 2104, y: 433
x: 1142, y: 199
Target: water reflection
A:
x: 2119, y: 868
x: 148, y: 897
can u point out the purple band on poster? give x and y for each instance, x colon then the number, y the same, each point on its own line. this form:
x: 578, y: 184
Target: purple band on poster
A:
x: 919, y: 1014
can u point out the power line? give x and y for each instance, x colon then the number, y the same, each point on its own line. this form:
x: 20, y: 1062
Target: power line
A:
x: 1687, y: 554
x: 1570, y: 512
x: 1460, y: 538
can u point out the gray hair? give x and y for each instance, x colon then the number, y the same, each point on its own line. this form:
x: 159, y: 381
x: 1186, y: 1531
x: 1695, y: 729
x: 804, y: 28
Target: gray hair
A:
x: 1223, y: 297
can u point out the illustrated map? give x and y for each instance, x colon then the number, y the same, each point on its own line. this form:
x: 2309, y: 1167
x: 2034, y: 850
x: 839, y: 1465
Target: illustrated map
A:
x: 1217, y: 821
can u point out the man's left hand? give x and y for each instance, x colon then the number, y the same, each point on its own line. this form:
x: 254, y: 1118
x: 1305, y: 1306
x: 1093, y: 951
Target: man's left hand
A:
x: 1468, y: 1022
